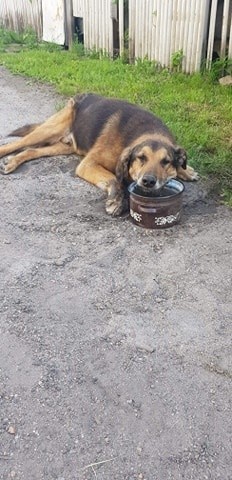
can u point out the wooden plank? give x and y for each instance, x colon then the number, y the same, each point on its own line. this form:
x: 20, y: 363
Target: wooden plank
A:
x: 132, y: 35
x: 105, y: 43
x: 156, y: 31
x: 183, y: 21
x: 230, y: 39
x: 185, y: 35
x: 78, y: 8
x: 98, y: 24
x: 168, y: 34
x: 149, y: 28
x: 202, y: 32
x: 158, y: 27
x: 212, y: 23
x: 137, y: 32
x: 121, y: 26
x: 148, y: 23
x: 193, y: 40
x: 91, y: 24
x: 162, y: 33
x: 68, y: 23
x: 177, y: 29
x: 190, y: 20
x: 145, y: 30
x: 225, y: 23
x: 174, y: 26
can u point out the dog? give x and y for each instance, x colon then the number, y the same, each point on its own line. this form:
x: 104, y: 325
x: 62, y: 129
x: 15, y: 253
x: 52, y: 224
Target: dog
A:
x: 119, y: 142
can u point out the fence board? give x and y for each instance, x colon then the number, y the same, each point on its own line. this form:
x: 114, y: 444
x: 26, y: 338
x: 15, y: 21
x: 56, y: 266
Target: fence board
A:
x: 167, y: 56
x: 211, y: 32
x: 121, y: 26
x: 132, y: 35
x: 230, y: 39
x: 225, y: 25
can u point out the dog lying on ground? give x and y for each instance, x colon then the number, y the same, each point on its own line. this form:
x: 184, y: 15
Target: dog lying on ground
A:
x: 119, y: 142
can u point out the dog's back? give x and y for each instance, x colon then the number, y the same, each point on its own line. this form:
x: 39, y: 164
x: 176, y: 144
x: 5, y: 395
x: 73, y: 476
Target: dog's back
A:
x: 93, y: 113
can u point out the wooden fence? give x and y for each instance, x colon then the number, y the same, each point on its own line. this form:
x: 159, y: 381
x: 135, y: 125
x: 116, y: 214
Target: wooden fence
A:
x: 168, y: 30
x: 97, y: 23
x: 181, y: 31
x: 18, y: 15
x: 165, y: 30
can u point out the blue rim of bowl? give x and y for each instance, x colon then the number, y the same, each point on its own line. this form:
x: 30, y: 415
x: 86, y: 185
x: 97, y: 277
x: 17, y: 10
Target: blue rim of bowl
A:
x: 168, y: 184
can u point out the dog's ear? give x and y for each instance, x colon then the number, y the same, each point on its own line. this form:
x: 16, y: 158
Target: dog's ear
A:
x: 122, y: 167
x: 180, y: 158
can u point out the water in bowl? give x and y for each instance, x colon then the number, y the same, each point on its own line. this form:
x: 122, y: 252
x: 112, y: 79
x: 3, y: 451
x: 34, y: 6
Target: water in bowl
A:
x: 164, y: 192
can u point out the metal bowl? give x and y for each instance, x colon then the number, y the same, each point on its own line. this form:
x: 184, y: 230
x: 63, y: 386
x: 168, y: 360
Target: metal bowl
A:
x: 160, y: 211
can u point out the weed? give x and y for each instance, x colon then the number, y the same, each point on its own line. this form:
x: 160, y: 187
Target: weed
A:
x: 220, y: 67
x: 8, y: 37
x: 226, y: 197
x: 176, y: 60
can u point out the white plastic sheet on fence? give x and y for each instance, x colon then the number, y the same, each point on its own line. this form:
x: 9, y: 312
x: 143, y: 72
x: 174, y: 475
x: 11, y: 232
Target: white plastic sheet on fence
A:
x: 53, y: 21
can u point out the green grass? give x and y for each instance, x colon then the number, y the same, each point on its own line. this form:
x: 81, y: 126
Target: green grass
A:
x: 196, y: 108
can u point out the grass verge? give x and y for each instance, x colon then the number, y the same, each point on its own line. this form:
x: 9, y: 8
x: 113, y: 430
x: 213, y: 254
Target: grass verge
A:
x: 195, y: 107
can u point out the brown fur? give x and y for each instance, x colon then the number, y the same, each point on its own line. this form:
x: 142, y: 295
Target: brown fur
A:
x: 120, y: 143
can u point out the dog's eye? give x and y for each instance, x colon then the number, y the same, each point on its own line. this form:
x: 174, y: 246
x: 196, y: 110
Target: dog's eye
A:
x: 165, y: 162
x: 142, y: 157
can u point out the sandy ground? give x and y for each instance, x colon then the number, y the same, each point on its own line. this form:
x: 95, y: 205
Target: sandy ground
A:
x: 115, y: 345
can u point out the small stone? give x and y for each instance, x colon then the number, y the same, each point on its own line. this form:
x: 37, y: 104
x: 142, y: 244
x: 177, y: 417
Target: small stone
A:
x: 11, y: 430
x: 143, y: 346
x: 227, y: 80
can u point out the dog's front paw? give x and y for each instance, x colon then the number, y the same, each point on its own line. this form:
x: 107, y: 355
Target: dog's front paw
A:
x: 192, y: 174
x: 189, y: 175
x: 114, y: 206
x: 8, y: 165
x: 115, y: 200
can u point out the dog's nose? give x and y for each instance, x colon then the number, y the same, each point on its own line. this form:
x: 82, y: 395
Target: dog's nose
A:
x: 148, y: 181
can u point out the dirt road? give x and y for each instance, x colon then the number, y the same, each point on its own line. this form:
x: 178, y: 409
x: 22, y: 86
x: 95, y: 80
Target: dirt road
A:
x: 115, y: 345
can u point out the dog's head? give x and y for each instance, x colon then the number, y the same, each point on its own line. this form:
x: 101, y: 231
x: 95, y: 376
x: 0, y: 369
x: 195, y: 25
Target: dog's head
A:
x: 151, y: 164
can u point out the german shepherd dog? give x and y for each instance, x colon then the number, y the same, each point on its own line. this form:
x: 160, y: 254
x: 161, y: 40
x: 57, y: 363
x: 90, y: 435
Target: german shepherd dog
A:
x: 119, y: 142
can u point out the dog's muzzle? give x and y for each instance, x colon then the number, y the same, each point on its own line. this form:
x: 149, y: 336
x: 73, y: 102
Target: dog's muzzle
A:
x: 148, y: 181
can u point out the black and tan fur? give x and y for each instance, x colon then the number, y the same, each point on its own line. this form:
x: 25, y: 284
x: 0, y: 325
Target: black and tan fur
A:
x: 119, y: 143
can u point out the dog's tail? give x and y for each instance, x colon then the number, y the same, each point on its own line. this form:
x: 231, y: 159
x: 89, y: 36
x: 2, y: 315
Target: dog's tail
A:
x: 23, y: 131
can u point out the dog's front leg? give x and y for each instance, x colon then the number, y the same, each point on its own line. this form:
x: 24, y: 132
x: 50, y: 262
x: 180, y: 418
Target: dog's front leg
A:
x: 99, y: 176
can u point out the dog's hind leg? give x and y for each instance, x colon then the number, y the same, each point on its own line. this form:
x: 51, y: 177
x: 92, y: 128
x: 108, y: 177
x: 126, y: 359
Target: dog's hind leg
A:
x: 47, y: 133
x: 58, y: 148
